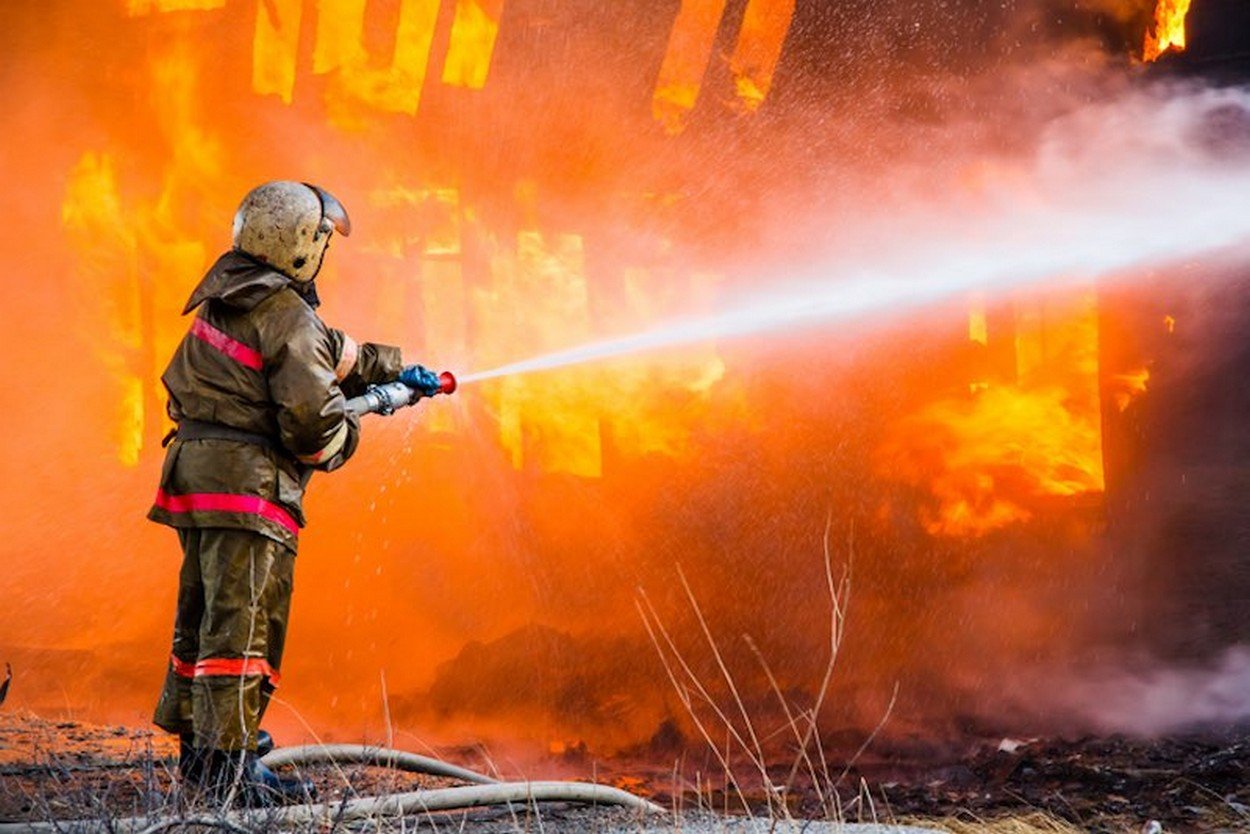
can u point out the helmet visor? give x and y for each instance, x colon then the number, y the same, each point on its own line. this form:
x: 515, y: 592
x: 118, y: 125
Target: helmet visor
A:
x: 333, y: 211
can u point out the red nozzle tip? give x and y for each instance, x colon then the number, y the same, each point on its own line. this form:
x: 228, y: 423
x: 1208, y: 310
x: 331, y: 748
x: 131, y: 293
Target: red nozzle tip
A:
x: 447, y: 382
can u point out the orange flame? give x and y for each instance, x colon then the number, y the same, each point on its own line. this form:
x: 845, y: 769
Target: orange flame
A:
x: 92, y: 212
x: 137, y: 8
x: 987, y: 458
x: 467, y: 259
x: 681, y: 74
x: 754, y: 60
x: 1127, y: 387
x: 751, y: 64
x: 473, y: 34
x: 1168, y: 32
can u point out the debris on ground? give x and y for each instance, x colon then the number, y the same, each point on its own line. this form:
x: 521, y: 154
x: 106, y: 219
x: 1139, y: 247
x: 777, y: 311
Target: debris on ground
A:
x: 1177, y: 785
x: 1191, y: 782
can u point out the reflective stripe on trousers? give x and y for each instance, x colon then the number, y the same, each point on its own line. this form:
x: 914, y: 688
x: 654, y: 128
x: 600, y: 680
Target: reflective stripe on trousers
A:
x: 234, y: 597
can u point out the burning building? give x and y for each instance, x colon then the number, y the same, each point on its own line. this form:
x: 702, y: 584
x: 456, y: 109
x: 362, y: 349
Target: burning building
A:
x: 998, y: 470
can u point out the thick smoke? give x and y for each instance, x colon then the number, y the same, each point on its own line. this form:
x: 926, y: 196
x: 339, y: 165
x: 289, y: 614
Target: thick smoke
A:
x: 1142, y: 696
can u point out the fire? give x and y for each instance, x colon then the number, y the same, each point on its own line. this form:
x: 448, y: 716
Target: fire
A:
x: 557, y: 423
x: 685, y: 61
x: 473, y: 34
x: 491, y: 227
x: 690, y: 50
x: 1128, y: 387
x: 358, y: 77
x: 540, y: 418
x: 276, y: 47
x: 978, y: 324
x: 92, y: 211
x: 1168, y: 32
x: 136, y: 8
x: 754, y: 60
x: 986, y: 459
x: 123, y: 243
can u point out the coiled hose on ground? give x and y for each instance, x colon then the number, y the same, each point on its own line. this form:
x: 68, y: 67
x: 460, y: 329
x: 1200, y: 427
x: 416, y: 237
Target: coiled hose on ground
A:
x: 342, y: 754
x: 486, y: 791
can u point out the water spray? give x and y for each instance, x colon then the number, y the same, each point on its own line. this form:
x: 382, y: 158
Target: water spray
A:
x: 1108, y: 211
x: 1104, y: 212
x: 989, y: 272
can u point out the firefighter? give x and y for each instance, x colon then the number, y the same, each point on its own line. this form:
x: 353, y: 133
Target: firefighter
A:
x: 257, y: 389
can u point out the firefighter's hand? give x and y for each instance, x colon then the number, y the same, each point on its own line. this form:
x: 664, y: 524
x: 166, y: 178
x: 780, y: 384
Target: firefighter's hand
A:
x: 421, y: 379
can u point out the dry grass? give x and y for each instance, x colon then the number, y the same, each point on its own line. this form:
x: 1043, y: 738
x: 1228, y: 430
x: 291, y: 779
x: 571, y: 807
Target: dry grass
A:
x: 730, y: 733
x: 1035, y: 822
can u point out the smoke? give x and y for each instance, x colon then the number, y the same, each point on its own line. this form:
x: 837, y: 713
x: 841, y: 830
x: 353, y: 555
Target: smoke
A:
x: 1144, y: 697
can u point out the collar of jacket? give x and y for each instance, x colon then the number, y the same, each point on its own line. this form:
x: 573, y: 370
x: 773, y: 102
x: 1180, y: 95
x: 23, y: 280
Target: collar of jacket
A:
x: 242, y: 282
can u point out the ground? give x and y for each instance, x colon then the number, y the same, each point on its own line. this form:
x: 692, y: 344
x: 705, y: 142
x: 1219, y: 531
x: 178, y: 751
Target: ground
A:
x: 1193, y: 783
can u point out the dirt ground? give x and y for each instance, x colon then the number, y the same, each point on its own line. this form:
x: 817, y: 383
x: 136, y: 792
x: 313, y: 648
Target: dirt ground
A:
x: 1196, y: 783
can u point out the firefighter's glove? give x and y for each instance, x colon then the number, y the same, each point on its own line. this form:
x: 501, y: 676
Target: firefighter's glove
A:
x: 421, y: 379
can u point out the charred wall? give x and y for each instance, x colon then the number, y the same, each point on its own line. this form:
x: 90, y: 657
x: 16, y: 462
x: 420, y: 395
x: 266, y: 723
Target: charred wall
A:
x: 1176, y: 459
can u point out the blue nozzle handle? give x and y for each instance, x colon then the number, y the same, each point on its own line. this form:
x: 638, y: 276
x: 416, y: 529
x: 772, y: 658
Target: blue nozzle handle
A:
x: 421, y: 378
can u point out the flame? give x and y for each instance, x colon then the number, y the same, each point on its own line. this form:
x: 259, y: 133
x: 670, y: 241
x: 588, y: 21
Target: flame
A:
x: 92, y: 212
x: 357, y: 77
x: 557, y: 423
x: 531, y: 499
x: 276, y: 46
x: 1168, y: 32
x: 978, y: 324
x: 473, y: 33
x: 122, y: 243
x: 685, y: 61
x: 1129, y: 386
x: 138, y: 8
x: 751, y: 64
x: 754, y: 60
x: 541, y: 418
x: 987, y: 458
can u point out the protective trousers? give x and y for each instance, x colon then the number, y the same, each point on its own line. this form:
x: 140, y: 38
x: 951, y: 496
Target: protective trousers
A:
x: 234, y: 599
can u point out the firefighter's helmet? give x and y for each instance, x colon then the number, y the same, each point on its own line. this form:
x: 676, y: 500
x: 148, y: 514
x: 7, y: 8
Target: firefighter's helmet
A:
x: 287, y: 225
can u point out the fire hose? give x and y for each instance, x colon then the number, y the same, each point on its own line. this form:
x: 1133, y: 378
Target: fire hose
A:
x: 341, y: 754
x: 486, y: 792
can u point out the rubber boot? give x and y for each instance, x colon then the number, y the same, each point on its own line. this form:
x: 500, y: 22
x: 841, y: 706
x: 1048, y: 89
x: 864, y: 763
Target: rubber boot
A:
x: 264, y: 744
x: 190, y: 761
x: 242, y: 775
x: 266, y: 788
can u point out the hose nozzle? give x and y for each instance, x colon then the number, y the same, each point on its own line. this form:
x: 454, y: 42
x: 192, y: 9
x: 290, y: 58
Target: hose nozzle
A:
x: 391, y: 396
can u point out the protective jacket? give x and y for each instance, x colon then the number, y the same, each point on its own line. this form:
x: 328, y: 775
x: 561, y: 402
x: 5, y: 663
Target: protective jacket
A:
x: 257, y: 387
